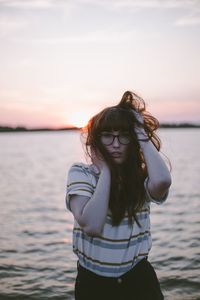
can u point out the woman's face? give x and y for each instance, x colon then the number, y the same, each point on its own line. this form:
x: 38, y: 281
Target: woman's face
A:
x: 116, y: 143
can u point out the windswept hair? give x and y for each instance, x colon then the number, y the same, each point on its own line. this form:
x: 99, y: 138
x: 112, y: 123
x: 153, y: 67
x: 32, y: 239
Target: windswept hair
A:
x: 127, y: 194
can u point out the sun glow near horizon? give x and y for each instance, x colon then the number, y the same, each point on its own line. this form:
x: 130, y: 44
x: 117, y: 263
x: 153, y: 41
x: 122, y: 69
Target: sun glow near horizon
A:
x: 79, y: 119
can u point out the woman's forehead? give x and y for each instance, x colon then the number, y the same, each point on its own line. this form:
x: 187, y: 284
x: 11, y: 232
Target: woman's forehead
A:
x: 114, y: 131
x: 115, y: 121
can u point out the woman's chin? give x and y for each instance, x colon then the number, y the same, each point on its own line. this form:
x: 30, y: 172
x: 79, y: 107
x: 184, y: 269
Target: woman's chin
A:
x: 118, y: 160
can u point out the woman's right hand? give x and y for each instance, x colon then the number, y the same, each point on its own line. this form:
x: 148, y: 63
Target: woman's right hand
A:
x: 98, y: 160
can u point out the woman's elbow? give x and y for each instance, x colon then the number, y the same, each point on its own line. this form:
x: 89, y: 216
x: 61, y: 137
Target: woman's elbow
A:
x: 159, y: 188
x: 163, y: 185
x: 166, y: 182
x: 92, y: 231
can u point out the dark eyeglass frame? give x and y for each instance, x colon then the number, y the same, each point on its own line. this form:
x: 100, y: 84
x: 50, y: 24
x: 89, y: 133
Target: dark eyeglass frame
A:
x: 118, y: 136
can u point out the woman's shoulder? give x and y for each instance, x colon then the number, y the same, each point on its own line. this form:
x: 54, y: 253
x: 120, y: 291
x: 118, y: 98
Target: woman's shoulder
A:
x: 80, y: 165
x: 84, y: 168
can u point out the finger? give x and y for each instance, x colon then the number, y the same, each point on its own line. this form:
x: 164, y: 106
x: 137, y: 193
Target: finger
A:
x: 138, y: 117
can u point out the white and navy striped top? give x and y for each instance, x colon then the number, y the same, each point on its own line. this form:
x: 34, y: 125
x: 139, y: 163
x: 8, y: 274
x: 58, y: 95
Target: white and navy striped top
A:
x: 119, y: 248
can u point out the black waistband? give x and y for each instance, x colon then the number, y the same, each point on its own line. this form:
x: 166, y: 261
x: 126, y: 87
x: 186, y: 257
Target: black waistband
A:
x: 91, y: 274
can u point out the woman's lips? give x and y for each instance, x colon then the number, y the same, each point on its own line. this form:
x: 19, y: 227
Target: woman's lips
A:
x: 116, y: 154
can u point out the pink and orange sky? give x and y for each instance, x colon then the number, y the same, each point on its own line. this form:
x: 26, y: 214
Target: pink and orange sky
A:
x: 62, y: 61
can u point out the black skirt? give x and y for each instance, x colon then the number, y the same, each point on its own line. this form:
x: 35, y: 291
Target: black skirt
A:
x: 140, y: 283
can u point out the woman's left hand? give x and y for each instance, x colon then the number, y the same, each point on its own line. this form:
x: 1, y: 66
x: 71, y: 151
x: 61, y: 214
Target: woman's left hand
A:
x: 139, y: 130
x: 138, y: 116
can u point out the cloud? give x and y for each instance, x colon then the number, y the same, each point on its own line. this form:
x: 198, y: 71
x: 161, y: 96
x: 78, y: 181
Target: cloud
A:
x: 38, y: 4
x: 143, y: 3
x: 189, y: 20
x: 27, y: 4
x: 11, y: 24
x: 191, y: 17
x: 92, y: 37
x: 42, y: 4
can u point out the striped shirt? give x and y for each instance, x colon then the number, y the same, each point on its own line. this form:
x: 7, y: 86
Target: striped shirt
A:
x: 119, y: 248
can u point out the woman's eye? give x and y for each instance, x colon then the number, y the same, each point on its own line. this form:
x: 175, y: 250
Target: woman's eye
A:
x: 106, y: 135
x: 127, y: 136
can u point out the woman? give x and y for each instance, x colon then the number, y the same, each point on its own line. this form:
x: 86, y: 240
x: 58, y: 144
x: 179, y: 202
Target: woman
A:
x: 110, y: 201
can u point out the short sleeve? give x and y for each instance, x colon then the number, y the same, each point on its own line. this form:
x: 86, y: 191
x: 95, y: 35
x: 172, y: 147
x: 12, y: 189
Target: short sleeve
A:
x: 79, y: 182
x: 149, y: 198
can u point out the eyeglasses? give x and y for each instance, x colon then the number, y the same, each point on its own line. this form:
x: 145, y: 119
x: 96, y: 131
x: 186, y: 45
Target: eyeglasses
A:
x: 107, y: 138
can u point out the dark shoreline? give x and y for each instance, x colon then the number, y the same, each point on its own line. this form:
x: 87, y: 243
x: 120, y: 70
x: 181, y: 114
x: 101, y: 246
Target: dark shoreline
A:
x: 24, y: 129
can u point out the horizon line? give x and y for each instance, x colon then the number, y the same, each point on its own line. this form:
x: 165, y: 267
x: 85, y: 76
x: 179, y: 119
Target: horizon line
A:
x: 4, y: 128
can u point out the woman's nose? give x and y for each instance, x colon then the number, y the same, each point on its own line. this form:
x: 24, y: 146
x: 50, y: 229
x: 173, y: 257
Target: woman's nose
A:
x: 116, y: 143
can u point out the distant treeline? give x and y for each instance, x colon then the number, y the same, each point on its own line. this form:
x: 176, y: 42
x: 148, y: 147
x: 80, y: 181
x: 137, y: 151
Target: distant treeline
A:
x: 179, y: 125
x: 22, y: 129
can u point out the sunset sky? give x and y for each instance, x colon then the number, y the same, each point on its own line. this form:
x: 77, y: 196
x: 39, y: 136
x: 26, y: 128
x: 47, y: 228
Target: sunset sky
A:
x: 64, y: 60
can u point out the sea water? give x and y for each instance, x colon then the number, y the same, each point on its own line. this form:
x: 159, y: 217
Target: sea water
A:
x: 36, y: 258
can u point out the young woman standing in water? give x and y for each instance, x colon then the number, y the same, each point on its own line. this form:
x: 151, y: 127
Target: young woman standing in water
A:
x: 110, y: 201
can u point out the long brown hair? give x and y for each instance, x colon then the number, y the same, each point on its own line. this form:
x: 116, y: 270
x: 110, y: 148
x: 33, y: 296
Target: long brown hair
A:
x: 127, y: 182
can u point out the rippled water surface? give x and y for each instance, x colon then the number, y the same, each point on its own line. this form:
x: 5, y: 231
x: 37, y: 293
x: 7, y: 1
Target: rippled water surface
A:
x: 36, y: 258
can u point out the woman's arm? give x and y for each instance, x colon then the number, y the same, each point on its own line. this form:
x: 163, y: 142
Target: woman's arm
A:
x: 158, y: 173
x: 91, y: 213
